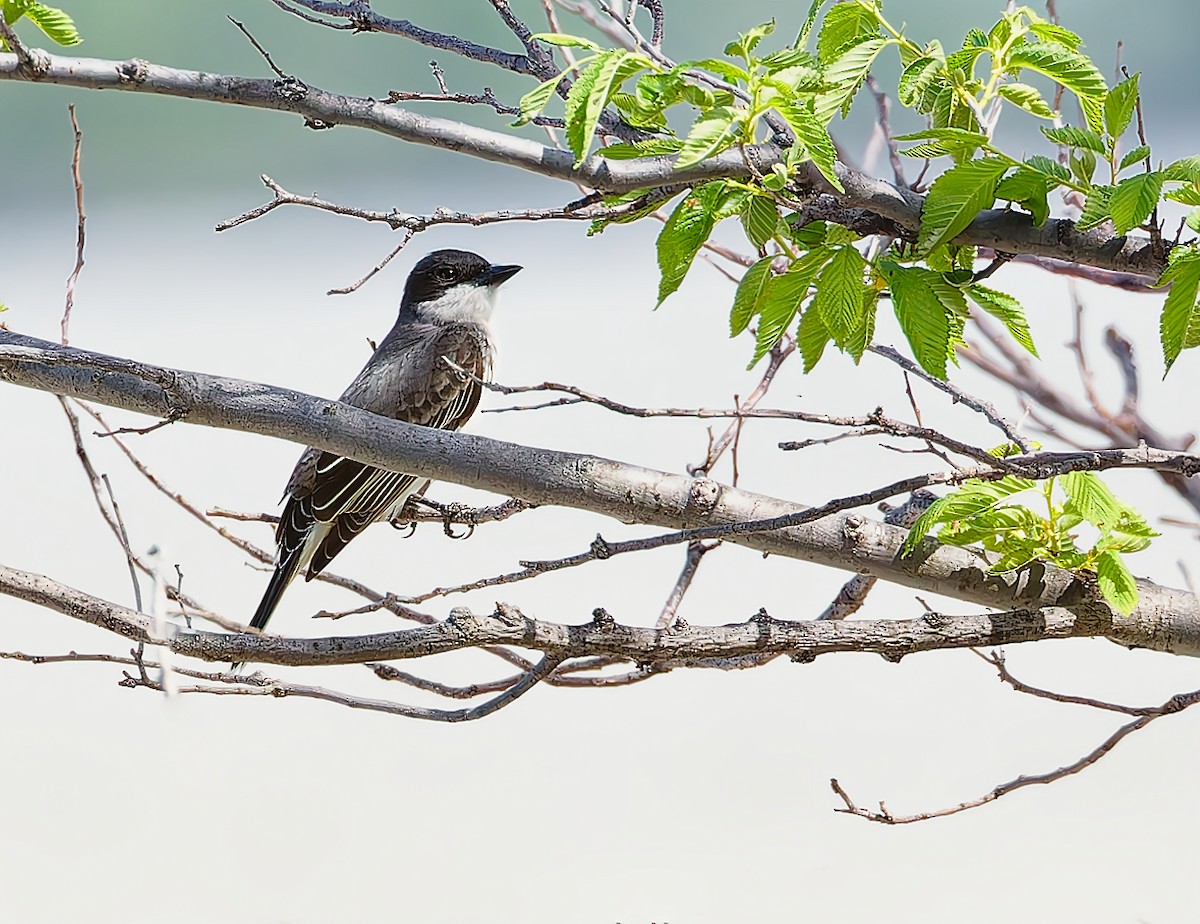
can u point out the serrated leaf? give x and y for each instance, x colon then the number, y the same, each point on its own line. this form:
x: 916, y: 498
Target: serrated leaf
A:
x: 845, y: 25
x: 747, y: 301
x: 1074, y: 71
x: 1095, y: 208
x: 1083, y: 165
x: 1116, y: 582
x: 760, y: 218
x: 54, y: 22
x: 1005, y: 309
x: 536, y: 99
x: 1141, y: 152
x: 1185, y: 170
x: 1048, y: 167
x: 1092, y: 499
x: 958, y: 135
x: 1134, y: 199
x: 814, y: 139
x: 956, y: 197
x: 681, y: 237
x: 922, y: 317
x: 839, y: 298
x: 562, y: 40
x: 811, y: 337
x: 1049, y: 32
x: 782, y: 300
x: 1028, y: 98
x: 844, y: 75
x: 1029, y: 188
x: 587, y: 98
x: 1119, y: 106
x: 747, y: 41
x: 1071, y: 137
x: 648, y: 147
x: 920, y: 82
x: 1180, y: 318
x: 712, y: 132
x: 1188, y: 195
x: 964, y: 59
x: 723, y: 69
x: 861, y: 338
x: 1092, y: 108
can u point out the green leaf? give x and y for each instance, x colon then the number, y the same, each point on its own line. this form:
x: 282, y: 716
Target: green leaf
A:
x: 723, y: 69
x: 1092, y: 499
x: 782, y: 301
x: 587, y: 98
x: 1007, y: 310
x: 920, y: 82
x: 760, y: 218
x: 813, y: 139
x: 1072, y: 137
x: 1134, y: 199
x: 648, y: 147
x: 802, y: 38
x: 563, y: 40
x: 839, y: 298
x: 1116, y: 582
x: 1049, y: 32
x: 922, y: 317
x: 1028, y: 98
x: 1141, y: 152
x: 1180, y: 318
x: 54, y: 22
x: 1092, y: 108
x: 747, y: 301
x: 748, y: 40
x: 1119, y: 106
x: 712, y: 132
x: 1074, y: 71
x: 846, y: 25
x: 1186, y: 170
x: 1083, y: 165
x: 1095, y: 208
x: 1048, y: 167
x: 958, y: 135
x: 683, y: 234
x: 861, y: 338
x: 1030, y: 188
x: 536, y: 99
x: 811, y: 338
x: 956, y: 197
x: 844, y: 76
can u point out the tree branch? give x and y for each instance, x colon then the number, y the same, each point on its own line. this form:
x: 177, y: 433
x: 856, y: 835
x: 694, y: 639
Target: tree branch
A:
x: 1164, y: 619
x: 999, y: 229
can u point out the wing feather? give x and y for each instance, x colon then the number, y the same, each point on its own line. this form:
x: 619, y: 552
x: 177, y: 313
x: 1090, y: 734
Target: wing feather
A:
x: 435, y: 380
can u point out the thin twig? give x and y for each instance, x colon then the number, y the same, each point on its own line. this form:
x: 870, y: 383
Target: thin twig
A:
x: 80, y: 236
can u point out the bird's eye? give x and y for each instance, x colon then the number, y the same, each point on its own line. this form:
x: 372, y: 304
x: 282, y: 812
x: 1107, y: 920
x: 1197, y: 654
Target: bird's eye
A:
x: 446, y: 273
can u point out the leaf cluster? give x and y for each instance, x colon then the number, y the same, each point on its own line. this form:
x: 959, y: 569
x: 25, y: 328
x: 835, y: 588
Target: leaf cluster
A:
x: 981, y: 513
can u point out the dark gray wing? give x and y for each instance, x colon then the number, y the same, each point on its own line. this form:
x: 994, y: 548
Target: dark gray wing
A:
x: 432, y: 379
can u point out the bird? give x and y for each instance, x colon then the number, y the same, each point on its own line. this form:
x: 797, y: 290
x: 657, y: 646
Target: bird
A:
x: 429, y: 370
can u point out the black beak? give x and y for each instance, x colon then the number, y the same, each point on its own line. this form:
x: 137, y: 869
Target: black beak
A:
x: 494, y: 275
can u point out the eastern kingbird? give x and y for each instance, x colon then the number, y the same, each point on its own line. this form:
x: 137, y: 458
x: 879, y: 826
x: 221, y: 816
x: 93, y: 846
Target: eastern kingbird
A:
x: 428, y: 370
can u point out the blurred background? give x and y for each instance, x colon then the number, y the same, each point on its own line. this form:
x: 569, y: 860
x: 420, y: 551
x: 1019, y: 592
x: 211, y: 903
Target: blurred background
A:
x: 698, y: 796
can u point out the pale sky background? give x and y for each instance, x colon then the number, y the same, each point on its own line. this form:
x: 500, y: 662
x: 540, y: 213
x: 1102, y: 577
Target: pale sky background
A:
x: 697, y: 796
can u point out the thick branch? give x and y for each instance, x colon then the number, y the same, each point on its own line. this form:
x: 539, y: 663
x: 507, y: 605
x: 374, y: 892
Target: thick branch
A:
x: 1164, y: 620
x: 677, y: 647
x: 1000, y: 229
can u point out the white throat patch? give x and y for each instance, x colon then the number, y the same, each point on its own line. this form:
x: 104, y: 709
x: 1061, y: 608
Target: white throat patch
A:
x: 465, y: 302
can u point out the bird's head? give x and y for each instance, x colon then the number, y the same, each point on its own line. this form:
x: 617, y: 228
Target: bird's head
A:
x: 454, y: 285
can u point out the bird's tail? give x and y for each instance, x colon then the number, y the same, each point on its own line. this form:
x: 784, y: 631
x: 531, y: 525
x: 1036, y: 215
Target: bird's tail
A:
x: 285, y: 571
